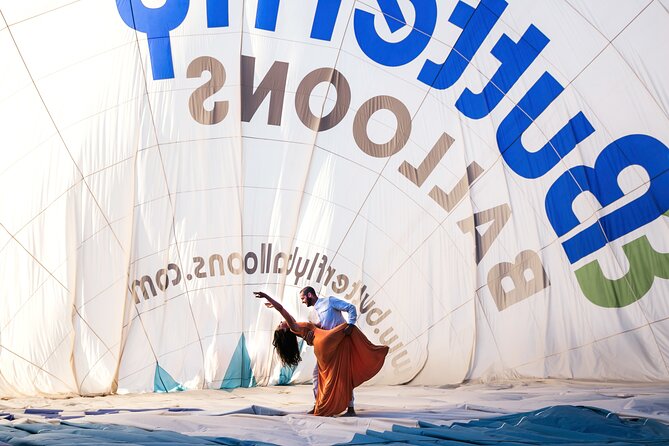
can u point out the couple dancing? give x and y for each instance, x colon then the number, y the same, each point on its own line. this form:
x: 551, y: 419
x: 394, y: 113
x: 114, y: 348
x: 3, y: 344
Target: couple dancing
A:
x: 345, y: 357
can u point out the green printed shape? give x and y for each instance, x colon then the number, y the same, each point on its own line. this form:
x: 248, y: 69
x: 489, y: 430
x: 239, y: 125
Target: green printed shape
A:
x: 645, y: 265
x: 163, y: 381
x: 239, y: 373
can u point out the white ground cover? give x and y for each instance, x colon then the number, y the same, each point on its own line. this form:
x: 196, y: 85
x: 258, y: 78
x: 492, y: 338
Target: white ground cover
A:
x: 278, y: 414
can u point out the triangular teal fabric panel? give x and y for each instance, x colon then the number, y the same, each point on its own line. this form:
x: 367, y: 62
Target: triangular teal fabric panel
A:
x: 239, y: 373
x: 286, y: 372
x: 163, y: 382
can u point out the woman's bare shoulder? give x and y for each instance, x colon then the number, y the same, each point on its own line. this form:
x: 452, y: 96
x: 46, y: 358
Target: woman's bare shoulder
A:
x: 305, y: 326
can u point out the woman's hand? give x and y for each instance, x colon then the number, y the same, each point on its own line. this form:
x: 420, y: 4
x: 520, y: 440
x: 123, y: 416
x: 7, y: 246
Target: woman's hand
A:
x: 260, y: 294
x: 263, y: 295
x: 271, y: 303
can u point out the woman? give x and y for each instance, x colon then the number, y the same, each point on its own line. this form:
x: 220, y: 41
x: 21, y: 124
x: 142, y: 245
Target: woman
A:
x: 344, y: 361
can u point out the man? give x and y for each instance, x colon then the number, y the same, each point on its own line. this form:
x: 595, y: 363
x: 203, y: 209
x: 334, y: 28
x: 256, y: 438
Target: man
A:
x: 327, y: 315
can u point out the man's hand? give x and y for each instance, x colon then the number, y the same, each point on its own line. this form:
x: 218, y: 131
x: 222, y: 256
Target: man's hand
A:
x: 309, y: 337
x: 348, y: 329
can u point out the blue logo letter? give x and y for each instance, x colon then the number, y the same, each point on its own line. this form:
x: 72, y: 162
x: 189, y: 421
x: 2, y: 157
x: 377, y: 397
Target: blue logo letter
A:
x: 476, y: 24
x: 515, y: 59
x: 398, y: 53
x: 602, y: 181
x: 157, y: 24
x: 509, y: 134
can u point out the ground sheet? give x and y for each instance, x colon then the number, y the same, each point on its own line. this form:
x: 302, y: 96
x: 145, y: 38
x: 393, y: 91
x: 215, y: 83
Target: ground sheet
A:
x: 543, y: 412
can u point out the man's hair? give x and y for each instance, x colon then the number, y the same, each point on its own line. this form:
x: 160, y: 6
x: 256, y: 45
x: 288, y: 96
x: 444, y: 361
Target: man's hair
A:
x: 307, y: 289
x: 285, y: 344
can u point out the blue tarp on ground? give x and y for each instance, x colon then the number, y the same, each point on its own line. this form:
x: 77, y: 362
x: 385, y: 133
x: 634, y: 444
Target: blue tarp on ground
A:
x: 67, y: 434
x: 557, y: 425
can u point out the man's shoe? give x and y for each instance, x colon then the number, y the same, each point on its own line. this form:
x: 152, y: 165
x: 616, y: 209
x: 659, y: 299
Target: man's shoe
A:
x: 350, y: 412
x: 311, y: 412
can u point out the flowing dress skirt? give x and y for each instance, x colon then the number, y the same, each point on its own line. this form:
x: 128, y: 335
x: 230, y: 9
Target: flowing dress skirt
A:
x: 344, y: 362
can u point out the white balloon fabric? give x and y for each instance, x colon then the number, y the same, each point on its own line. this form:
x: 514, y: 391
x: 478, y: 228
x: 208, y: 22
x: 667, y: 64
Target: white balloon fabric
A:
x: 487, y: 182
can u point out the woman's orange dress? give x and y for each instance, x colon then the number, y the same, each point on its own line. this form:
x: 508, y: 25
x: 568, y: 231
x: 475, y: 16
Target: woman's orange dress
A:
x: 344, y: 362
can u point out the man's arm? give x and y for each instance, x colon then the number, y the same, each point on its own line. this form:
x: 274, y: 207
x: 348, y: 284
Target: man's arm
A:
x: 350, y: 310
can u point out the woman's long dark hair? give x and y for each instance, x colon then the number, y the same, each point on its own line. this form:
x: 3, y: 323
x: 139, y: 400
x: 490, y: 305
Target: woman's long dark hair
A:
x: 285, y: 343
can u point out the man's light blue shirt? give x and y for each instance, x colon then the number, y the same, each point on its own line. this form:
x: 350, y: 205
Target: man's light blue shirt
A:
x: 329, y: 312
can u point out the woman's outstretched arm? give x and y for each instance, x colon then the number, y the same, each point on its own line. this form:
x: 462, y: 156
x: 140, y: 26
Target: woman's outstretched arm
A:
x: 271, y: 303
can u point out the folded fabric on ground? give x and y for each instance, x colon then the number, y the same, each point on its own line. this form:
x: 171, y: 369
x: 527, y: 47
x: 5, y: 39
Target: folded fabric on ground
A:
x: 67, y: 434
x: 557, y: 425
x: 278, y: 415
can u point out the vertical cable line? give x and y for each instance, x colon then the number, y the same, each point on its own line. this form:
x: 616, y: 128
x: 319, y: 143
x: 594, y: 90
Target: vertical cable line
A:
x: 240, y: 202
x: 314, y: 143
x: 172, y: 205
